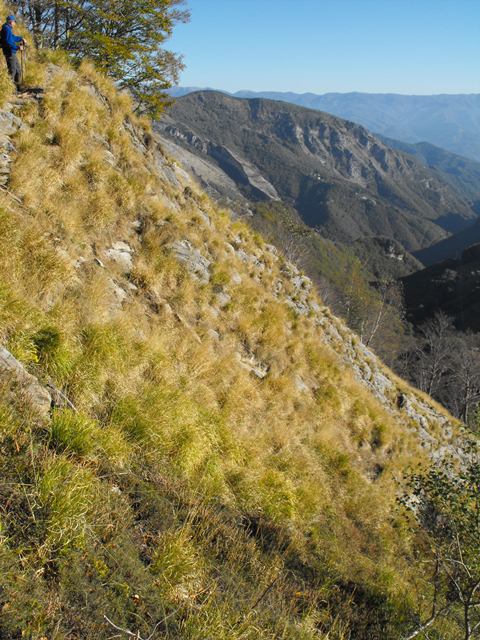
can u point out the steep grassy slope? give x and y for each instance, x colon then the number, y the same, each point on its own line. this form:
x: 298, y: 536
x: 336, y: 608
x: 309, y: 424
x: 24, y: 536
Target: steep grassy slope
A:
x: 222, y: 455
x: 333, y: 266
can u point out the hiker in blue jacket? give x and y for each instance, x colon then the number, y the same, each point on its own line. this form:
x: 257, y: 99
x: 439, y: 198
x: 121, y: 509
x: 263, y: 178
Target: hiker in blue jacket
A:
x: 10, y: 45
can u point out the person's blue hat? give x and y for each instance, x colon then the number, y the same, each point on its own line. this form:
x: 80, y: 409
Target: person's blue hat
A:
x: 11, y: 19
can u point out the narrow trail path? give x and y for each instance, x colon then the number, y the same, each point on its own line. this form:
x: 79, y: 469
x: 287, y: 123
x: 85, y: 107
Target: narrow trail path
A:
x: 10, y: 123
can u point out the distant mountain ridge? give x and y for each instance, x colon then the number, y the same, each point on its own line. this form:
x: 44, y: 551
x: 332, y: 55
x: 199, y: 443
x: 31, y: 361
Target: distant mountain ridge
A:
x: 451, y: 247
x: 338, y: 176
x: 448, y: 121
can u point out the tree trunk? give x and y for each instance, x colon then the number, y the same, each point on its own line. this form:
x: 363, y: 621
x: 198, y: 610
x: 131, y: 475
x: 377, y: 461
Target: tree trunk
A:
x: 466, y: 616
x: 56, y: 24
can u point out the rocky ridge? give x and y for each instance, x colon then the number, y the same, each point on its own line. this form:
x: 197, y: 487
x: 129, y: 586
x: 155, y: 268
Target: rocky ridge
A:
x: 447, y: 121
x: 9, y: 125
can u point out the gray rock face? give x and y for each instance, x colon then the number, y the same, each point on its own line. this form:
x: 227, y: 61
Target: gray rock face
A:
x: 121, y: 253
x: 118, y: 292
x: 195, y: 262
x: 13, y: 373
x: 258, y: 369
x: 222, y: 299
x: 236, y: 278
x: 301, y: 385
x: 9, y: 125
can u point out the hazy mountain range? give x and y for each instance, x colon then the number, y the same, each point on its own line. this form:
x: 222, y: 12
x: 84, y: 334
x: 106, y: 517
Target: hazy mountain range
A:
x: 448, y: 121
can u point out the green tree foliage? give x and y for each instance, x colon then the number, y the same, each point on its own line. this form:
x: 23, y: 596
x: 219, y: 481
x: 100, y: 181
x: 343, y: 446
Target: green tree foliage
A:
x: 124, y: 38
x: 446, y: 503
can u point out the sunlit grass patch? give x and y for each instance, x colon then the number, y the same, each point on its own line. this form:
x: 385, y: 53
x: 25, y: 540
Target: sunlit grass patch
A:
x: 68, y: 497
x: 6, y: 85
x: 77, y: 434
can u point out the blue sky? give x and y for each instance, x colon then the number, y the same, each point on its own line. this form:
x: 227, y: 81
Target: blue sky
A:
x: 399, y: 46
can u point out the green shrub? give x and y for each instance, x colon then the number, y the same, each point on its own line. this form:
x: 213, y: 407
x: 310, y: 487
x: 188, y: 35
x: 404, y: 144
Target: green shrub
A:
x: 47, y: 342
x: 73, y: 432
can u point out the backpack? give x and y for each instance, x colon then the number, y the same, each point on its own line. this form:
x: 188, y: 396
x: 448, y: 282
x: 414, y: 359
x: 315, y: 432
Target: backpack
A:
x: 3, y: 39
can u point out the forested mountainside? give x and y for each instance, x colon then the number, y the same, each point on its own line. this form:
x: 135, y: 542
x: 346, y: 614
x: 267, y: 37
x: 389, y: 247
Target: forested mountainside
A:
x: 191, y: 444
x: 451, y: 247
x: 461, y: 173
x: 338, y: 177
x: 385, y: 258
x: 451, y: 287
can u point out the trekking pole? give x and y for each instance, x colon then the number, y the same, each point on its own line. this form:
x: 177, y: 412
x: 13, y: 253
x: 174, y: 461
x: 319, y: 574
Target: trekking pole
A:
x: 23, y: 65
x: 21, y: 68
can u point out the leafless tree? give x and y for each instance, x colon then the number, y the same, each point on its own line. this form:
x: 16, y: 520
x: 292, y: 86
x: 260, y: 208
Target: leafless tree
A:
x: 465, y: 380
x: 445, y: 363
x: 434, y: 353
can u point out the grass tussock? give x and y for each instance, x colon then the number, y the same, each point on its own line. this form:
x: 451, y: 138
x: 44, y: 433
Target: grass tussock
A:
x: 6, y: 85
x: 182, y: 489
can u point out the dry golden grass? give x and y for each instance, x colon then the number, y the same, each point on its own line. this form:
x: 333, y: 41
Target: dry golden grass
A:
x: 166, y: 398
x: 6, y: 86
